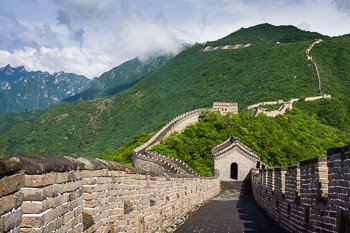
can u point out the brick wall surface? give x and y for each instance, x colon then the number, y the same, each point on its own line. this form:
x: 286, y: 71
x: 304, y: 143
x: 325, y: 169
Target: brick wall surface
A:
x: 11, y: 180
x: 50, y: 194
x: 313, y: 196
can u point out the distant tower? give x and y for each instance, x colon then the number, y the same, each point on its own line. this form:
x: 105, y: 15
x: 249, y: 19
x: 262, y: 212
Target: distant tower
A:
x: 226, y: 107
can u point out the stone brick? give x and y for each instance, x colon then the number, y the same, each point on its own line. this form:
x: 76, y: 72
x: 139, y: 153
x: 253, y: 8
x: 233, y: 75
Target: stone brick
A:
x: 55, y: 201
x: 9, y: 165
x: 34, y: 181
x: 12, y: 219
x: 32, y: 220
x: 11, y: 184
x: 33, y: 194
x: 32, y: 207
x: 10, y: 202
x: 50, y: 227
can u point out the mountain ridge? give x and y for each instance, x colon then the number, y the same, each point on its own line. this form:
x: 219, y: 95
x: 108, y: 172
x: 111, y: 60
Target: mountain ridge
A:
x: 22, y: 90
x: 264, y: 71
x: 121, y: 77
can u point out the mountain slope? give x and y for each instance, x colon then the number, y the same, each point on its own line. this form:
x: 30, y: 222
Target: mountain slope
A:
x: 264, y: 71
x: 120, y: 78
x: 21, y: 90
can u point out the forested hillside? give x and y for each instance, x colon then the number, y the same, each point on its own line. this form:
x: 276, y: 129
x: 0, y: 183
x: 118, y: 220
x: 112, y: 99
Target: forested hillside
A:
x: 273, y: 67
x: 120, y: 77
x: 281, y: 141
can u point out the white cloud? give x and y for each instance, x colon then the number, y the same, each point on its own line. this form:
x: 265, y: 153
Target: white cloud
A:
x: 89, y: 38
x: 90, y: 63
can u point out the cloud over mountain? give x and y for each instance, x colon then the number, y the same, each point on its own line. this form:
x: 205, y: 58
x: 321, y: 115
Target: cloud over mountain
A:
x: 91, y: 36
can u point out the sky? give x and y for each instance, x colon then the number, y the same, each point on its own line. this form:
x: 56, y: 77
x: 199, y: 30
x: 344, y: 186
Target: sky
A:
x: 90, y: 37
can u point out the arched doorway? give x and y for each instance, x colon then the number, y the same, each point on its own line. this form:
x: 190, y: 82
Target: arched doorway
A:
x: 234, y: 171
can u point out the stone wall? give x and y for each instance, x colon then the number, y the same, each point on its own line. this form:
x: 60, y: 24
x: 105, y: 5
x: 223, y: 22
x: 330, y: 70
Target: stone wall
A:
x: 312, y: 196
x: 226, y: 107
x: 10, y: 195
x: 172, y: 126
x: 145, y: 160
x: 47, y: 194
x: 151, y: 162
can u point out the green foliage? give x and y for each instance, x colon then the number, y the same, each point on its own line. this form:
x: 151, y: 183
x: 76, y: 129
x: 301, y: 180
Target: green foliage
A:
x: 264, y: 33
x: 331, y: 112
x: 280, y: 141
x: 124, y: 155
x: 120, y: 78
x: 9, y: 120
x: 264, y: 71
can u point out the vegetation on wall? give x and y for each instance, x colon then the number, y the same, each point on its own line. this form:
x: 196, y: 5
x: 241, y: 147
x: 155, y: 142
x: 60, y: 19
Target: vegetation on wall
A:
x: 280, y: 141
x: 124, y: 155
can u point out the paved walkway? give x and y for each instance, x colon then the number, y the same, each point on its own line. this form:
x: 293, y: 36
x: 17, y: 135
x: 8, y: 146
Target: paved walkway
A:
x: 233, y: 210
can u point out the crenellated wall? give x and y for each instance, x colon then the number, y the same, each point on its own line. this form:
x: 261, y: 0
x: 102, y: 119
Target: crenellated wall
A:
x: 176, y: 124
x: 313, y: 196
x: 55, y: 194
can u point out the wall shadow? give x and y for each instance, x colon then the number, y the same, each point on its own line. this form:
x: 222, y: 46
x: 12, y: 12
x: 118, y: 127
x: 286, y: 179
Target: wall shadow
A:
x: 253, y: 217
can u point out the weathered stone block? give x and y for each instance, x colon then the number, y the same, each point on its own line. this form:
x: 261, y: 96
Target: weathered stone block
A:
x: 10, y: 202
x: 55, y: 201
x: 33, y: 194
x: 11, y: 184
x: 12, y: 219
x: 32, y: 207
x: 32, y: 220
x: 9, y: 165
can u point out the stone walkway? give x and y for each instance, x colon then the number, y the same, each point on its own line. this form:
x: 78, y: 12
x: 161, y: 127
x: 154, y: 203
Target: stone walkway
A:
x: 233, y: 210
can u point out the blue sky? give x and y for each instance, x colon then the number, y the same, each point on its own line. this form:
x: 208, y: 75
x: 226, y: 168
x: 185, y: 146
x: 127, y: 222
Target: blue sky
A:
x: 90, y: 37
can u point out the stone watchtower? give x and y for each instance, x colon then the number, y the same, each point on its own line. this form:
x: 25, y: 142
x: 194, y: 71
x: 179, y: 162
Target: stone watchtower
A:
x: 234, y: 160
x: 226, y: 107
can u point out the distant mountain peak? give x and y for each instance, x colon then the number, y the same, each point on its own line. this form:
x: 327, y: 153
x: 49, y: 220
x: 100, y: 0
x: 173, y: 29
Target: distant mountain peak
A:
x: 267, y: 33
x: 58, y: 74
x: 21, y: 69
x: 21, y: 90
x: 8, y: 69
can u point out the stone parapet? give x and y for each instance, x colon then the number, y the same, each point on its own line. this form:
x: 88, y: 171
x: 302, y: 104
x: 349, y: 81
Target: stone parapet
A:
x: 170, y: 165
x: 166, y: 129
x: 64, y: 194
x: 309, y: 197
x: 11, y: 198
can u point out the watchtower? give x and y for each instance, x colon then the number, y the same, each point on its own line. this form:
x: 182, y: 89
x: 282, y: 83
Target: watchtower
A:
x: 234, y: 160
x: 226, y: 107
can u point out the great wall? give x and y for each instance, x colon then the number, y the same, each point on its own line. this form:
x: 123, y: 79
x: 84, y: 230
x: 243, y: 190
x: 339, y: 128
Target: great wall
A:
x: 65, y: 194
x: 56, y: 194
x: 313, y: 196
x: 288, y: 105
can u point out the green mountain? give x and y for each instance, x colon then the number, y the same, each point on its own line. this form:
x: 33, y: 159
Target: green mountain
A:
x: 21, y: 90
x: 273, y: 66
x: 120, y: 78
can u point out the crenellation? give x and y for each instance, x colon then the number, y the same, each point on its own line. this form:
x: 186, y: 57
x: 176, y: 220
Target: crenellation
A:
x: 315, y: 197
